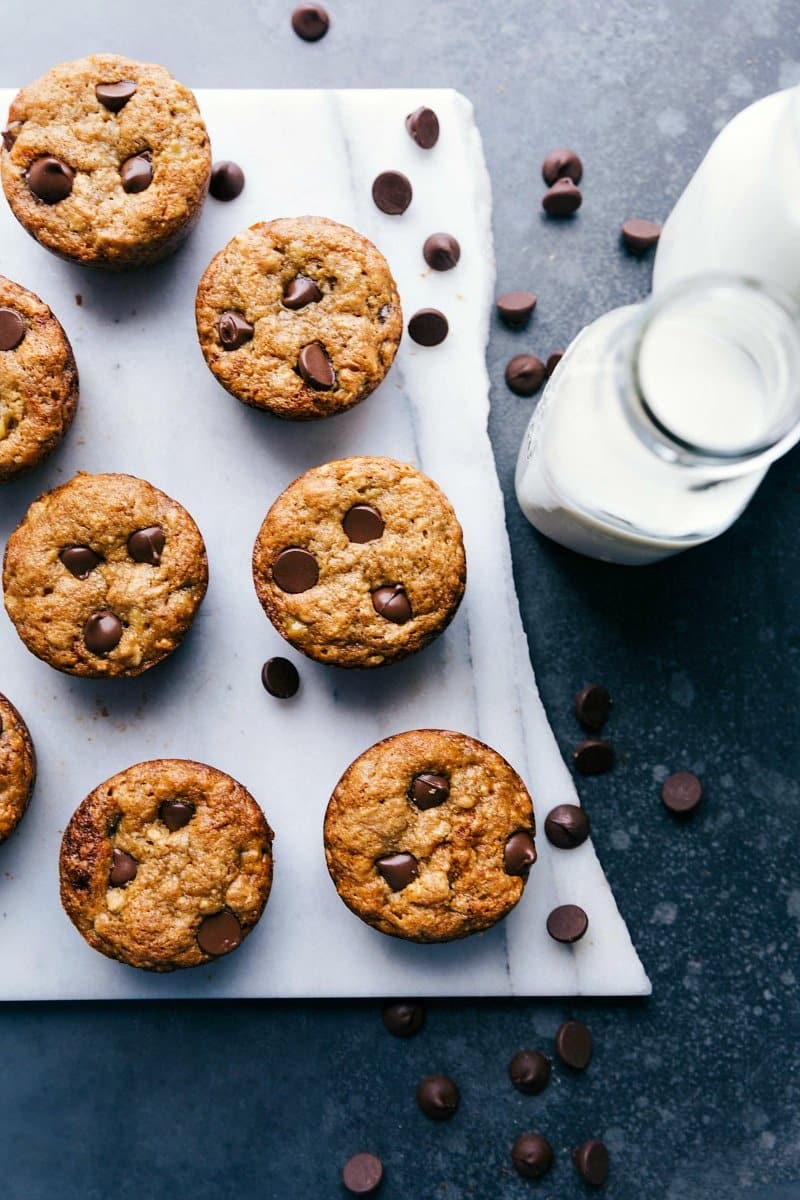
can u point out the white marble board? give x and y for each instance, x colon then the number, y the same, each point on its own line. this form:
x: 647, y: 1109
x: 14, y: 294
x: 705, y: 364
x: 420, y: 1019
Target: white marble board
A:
x: 150, y: 407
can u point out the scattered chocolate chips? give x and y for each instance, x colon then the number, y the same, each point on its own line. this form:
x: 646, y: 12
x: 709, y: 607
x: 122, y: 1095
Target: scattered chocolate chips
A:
x: 428, y: 327
x: 280, y: 678
x: 392, y: 192
x: 639, y: 235
x: 423, y: 127
x: 147, y: 545
x: 363, y: 523
x: 441, y: 251
x: 123, y: 868
x: 80, y: 561
x: 567, y: 923
x: 102, y: 632
x: 50, y: 179
x: 429, y: 790
x: 516, y: 307
x: 592, y: 706
x: 532, y: 1155
x: 12, y: 329
x: 574, y: 1044
x: 438, y: 1097
x: 591, y: 1161
x: 519, y: 854
x: 392, y: 603
x: 114, y: 96
x: 404, y: 1018
x: 227, y: 180
x: 566, y: 826
x: 300, y: 292
x: 560, y: 164
x: 176, y: 814
x: 562, y: 199
x: 295, y: 570
x: 529, y: 1071
x: 136, y: 173
x: 310, y: 22
x: 219, y: 934
x: 362, y: 1174
x: 552, y: 362
x: 234, y: 330
x: 316, y: 367
x: 525, y: 374
x: 399, y: 870
x: 682, y: 792
x: 593, y: 756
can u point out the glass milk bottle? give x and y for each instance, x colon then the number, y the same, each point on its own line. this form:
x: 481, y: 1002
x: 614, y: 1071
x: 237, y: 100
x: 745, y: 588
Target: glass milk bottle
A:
x: 660, y: 421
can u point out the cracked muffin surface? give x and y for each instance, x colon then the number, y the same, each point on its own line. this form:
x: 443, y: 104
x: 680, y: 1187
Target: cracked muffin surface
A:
x: 429, y: 836
x: 167, y: 864
x: 17, y: 768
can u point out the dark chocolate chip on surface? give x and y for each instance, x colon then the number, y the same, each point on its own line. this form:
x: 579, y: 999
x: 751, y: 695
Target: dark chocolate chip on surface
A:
x: 295, y: 570
x: 429, y: 790
x: 123, y: 868
x: 280, y: 678
x: 50, y: 179
x: 316, y: 367
x: 532, y: 1155
x: 300, y: 292
x: 234, y: 330
x: 567, y: 923
x: 428, y: 327
x: 147, y: 545
x: 12, y: 329
x: 592, y: 706
x: 404, y: 1018
x: 593, y: 756
x: 562, y: 199
x: 525, y: 374
x: 363, y: 523
x: 441, y: 251
x: 136, y: 173
x: 11, y: 134
x: 552, y: 362
x: 516, y: 307
x: 529, y: 1071
x: 640, y: 235
x: 519, y: 854
x: 562, y: 163
x: 176, y: 814
x: 423, y: 126
x: 220, y: 933
x: 79, y: 560
x: 227, y: 180
x: 438, y: 1097
x: 392, y: 192
x: 566, y: 826
x: 362, y: 1174
x: 102, y: 632
x: 392, y: 603
x: 399, y: 870
x: 574, y: 1044
x: 592, y: 1162
x: 682, y: 792
x: 114, y: 96
x: 310, y: 22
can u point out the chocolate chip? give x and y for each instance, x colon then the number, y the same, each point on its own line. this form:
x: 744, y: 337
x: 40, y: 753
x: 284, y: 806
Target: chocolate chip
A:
x: 428, y: 790
x: 552, y: 362
x: 363, y: 523
x: 519, y: 854
x: 295, y: 570
x: 574, y: 1044
x: 428, y: 327
x: 423, y: 126
x: 280, y: 678
x: 567, y: 923
x: 392, y: 603
x: 50, y: 179
x: 176, y: 813
x: 562, y: 163
x: 300, y: 292
x: 399, y: 870
x: 516, y: 307
x: 310, y: 22
x: 146, y: 545
x: 591, y: 1160
x: 102, y: 632
x: 80, y: 561
x: 227, y: 181
x: 532, y: 1155
x: 525, y: 374
x: 404, y: 1018
x: 438, y: 1097
x: 566, y: 826
x: 529, y: 1071
x: 234, y: 329
x: 362, y: 1174
x: 136, y: 172
x: 562, y: 199
x: 682, y: 792
x: 592, y: 706
x: 114, y: 96
x: 219, y: 934
x: 392, y: 192
x: 441, y: 251
x: 11, y: 134
x: 12, y: 329
x: 639, y: 235
x: 593, y: 756
x: 316, y: 367
x: 123, y: 868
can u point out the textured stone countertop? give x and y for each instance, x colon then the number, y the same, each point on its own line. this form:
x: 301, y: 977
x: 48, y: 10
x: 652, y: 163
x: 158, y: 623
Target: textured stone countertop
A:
x: 695, y: 1091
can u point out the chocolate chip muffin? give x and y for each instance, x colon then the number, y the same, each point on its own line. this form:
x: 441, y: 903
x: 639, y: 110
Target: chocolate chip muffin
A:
x: 38, y: 380
x: 360, y: 562
x: 104, y: 575
x: 429, y: 836
x: 299, y: 316
x: 166, y: 865
x: 17, y: 768
x: 106, y: 161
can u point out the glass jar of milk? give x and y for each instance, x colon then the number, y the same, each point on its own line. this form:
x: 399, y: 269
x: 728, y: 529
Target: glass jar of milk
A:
x: 661, y: 420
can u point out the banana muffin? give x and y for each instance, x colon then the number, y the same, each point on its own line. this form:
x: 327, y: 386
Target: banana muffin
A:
x: 106, y: 161
x: 167, y: 864
x: 17, y: 768
x: 299, y: 316
x: 429, y: 836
